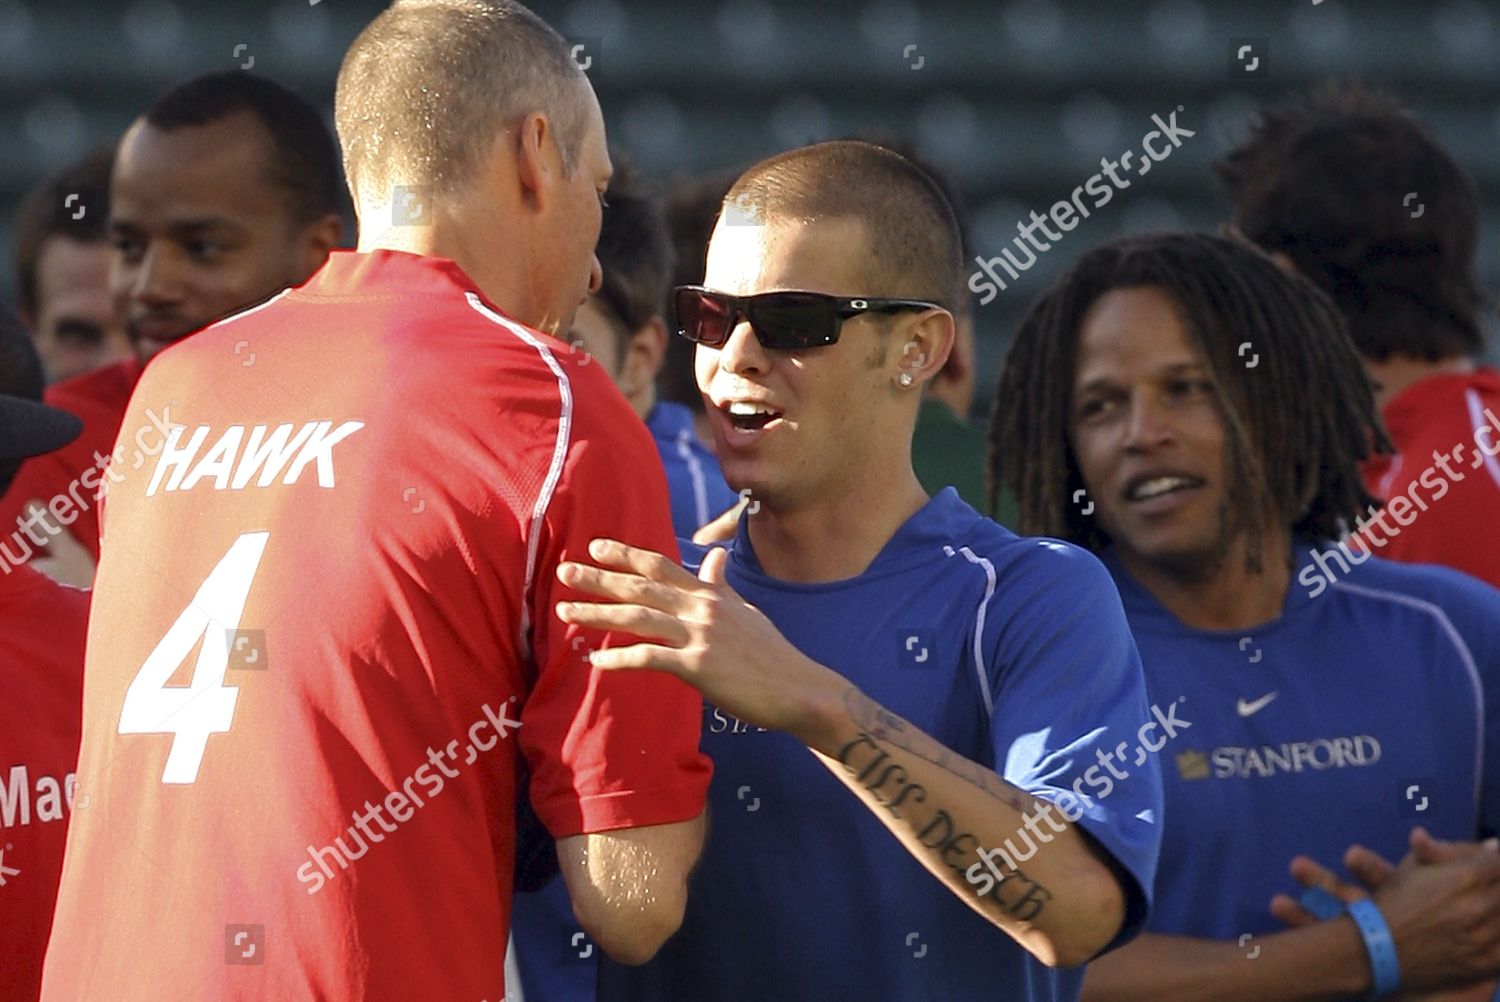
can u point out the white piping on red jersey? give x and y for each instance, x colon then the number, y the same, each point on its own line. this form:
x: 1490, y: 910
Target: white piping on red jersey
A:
x: 554, y: 471
x: 247, y: 311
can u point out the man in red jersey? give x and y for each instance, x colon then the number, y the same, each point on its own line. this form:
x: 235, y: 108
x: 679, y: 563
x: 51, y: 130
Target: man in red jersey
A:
x: 344, y: 558
x: 1394, y: 248
x: 42, y: 626
x: 223, y: 193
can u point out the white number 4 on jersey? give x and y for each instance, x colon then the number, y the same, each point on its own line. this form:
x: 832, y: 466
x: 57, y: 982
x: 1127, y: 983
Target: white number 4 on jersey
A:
x: 206, y: 705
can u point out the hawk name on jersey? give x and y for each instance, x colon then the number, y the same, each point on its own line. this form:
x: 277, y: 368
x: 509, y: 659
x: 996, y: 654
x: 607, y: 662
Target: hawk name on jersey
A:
x: 235, y: 457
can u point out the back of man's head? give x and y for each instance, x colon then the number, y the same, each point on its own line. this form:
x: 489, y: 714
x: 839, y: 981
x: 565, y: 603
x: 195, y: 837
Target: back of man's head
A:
x: 72, y: 204
x: 21, y: 375
x: 429, y: 85
x: 1366, y: 204
x: 912, y: 246
x: 302, y: 162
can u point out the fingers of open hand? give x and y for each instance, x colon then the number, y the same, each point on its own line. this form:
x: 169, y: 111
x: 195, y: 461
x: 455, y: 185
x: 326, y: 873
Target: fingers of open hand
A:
x: 648, y: 564
x: 1369, y: 867
x: 620, y: 586
x: 1287, y: 910
x: 642, y: 656
x: 639, y: 620
x: 1310, y: 873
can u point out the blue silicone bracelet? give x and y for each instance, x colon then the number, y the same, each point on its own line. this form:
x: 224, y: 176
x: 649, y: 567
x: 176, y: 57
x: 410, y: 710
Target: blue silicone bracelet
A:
x: 1320, y: 904
x: 1379, y: 945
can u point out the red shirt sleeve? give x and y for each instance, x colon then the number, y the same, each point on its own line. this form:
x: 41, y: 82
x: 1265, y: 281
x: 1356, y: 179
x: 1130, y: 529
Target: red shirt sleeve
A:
x: 607, y: 749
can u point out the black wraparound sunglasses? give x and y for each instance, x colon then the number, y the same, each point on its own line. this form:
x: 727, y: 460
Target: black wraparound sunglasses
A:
x: 779, y: 319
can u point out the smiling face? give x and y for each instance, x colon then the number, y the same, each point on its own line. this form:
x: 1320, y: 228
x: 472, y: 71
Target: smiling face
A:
x: 1148, y: 435
x: 199, y: 229
x: 834, y: 416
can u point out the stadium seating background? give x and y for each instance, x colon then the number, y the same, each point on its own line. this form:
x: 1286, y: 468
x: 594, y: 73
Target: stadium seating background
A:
x: 1017, y: 100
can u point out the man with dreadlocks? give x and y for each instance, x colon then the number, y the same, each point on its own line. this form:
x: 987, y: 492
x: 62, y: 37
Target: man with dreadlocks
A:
x: 1179, y: 406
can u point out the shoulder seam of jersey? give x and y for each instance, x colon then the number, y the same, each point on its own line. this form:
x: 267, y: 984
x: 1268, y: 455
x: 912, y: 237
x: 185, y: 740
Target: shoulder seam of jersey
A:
x: 1466, y: 655
x: 554, y: 470
x: 989, y: 593
x: 247, y: 311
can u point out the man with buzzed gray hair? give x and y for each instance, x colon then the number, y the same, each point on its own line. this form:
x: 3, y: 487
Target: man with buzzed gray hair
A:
x: 354, y: 535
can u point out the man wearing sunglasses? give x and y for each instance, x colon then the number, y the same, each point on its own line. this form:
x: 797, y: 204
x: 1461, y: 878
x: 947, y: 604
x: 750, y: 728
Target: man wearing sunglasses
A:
x: 955, y: 683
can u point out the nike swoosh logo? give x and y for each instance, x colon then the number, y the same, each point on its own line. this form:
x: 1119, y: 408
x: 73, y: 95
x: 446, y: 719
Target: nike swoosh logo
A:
x: 1249, y: 708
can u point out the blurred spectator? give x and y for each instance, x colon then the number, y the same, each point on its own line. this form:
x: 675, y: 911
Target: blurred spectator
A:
x: 62, y: 265
x: 1213, y: 491
x: 1347, y: 189
x: 692, y: 209
x: 224, y: 192
x: 622, y: 327
x: 42, y: 627
x: 949, y: 450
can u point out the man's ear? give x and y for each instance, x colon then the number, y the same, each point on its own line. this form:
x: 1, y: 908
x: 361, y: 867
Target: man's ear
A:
x: 644, y: 353
x: 319, y: 240
x: 1285, y: 263
x: 925, y: 346
x: 538, y: 165
x: 960, y: 364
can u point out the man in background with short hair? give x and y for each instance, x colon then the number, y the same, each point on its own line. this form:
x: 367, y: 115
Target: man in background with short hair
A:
x: 1347, y: 189
x: 62, y: 270
x: 622, y: 328
x: 223, y: 193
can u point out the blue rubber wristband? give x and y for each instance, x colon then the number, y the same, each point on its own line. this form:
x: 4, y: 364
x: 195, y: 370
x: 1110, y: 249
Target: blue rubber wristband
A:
x: 1320, y: 904
x: 1379, y: 945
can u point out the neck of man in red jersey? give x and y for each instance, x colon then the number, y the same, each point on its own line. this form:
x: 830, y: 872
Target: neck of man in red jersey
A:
x: 518, y: 227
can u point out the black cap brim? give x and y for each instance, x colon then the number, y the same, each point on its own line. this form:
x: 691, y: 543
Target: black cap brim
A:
x: 28, y: 428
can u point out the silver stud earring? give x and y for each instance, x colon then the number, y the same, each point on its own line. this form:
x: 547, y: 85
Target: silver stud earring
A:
x: 904, y: 379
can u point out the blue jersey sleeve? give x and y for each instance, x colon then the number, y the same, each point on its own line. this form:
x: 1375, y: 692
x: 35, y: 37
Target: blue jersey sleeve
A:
x: 1069, y: 721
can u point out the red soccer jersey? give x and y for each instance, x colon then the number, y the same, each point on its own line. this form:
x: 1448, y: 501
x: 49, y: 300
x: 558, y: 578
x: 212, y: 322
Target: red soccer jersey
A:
x: 1456, y: 417
x: 42, y: 627
x: 67, y: 480
x: 321, y: 611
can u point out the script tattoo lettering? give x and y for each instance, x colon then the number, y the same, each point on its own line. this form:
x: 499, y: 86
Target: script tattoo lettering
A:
x: 939, y: 832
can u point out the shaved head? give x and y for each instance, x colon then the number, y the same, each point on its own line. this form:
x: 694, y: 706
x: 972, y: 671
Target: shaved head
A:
x: 912, y: 248
x: 429, y: 85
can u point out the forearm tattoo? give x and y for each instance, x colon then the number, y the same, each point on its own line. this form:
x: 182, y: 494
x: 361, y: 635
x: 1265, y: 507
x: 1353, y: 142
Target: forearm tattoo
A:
x: 870, y: 760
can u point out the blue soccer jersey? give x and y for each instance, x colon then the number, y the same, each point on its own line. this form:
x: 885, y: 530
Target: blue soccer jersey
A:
x: 1370, y: 705
x: 699, y: 493
x: 1013, y: 652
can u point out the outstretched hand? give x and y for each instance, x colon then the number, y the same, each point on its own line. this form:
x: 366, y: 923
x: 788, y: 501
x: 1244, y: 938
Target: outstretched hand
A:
x: 700, y: 630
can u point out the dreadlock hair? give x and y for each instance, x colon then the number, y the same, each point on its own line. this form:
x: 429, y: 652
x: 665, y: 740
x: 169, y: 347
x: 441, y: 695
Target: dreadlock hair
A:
x: 1298, y: 421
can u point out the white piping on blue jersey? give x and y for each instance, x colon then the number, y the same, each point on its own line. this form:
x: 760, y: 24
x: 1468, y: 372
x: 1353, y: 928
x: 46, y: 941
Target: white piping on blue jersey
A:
x: 242, y: 314
x: 1477, y: 420
x: 1465, y: 655
x: 554, y: 471
x: 989, y: 593
x: 695, y: 473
